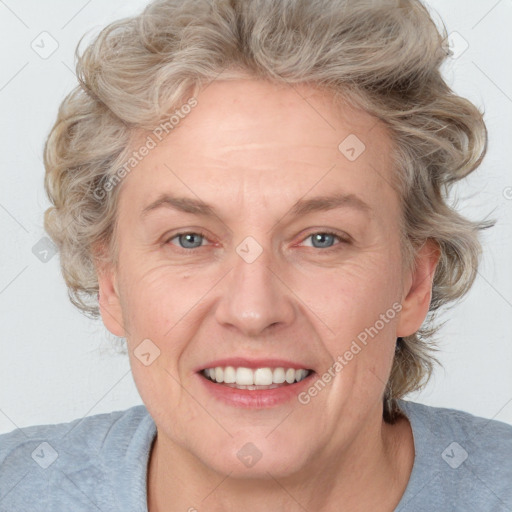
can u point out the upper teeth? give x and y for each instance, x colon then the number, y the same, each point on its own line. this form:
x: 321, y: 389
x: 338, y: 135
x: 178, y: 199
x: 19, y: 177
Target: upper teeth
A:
x: 259, y: 377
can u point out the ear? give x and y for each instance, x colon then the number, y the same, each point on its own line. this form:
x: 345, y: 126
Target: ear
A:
x: 417, y: 291
x: 108, y: 296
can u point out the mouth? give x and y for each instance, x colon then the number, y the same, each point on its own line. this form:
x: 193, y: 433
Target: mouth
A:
x: 255, y: 379
x: 262, y: 387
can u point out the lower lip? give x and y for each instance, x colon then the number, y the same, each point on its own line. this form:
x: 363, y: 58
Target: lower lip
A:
x: 257, y: 398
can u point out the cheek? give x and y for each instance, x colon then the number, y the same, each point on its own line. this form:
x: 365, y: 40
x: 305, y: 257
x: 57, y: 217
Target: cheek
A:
x: 156, y: 297
x: 159, y: 304
x: 358, y: 308
x: 353, y: 295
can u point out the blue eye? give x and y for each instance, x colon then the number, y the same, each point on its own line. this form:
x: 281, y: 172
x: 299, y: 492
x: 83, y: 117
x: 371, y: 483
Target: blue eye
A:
x: 189, y: 240
x: 324, y: 240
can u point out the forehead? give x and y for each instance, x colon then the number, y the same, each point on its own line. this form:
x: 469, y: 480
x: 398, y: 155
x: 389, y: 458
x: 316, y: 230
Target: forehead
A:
x: 253, y: 139
x: 253, y: 113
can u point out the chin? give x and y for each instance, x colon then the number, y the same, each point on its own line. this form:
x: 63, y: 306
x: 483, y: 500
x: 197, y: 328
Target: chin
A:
x: 251, y: 457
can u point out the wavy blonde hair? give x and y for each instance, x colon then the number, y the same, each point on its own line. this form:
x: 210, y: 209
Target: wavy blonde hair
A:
x: 383, y: 56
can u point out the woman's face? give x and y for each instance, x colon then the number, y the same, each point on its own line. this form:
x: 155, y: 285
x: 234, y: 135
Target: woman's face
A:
x: 294, y: 263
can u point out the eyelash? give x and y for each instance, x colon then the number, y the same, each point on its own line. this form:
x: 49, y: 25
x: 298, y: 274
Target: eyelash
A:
x: 202, y: 234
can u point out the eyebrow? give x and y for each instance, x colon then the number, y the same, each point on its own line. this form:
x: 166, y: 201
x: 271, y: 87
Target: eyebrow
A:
x: 300, y: 208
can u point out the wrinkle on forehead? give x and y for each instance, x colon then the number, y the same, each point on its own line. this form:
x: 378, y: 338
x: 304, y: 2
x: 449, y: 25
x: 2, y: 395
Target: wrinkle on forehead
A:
x: 250, y: 145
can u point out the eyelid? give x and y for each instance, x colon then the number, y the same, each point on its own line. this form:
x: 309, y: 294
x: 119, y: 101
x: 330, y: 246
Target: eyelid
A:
x: 199, y: 232
x: 341, y: 236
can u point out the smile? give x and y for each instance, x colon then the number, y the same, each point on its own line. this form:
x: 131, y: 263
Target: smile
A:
x: 255, y: 379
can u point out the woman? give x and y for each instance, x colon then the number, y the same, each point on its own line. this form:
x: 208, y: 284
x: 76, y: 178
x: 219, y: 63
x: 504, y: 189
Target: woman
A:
x: 254, y: 195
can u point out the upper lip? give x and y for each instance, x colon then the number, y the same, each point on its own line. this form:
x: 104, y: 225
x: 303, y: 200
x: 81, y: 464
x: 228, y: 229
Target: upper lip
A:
x: 254, y: 363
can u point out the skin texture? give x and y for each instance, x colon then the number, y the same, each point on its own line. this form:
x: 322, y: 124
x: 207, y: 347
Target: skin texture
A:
x: 251, y: 149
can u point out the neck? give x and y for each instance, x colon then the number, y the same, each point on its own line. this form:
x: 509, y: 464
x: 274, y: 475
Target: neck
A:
x: 365, y: 476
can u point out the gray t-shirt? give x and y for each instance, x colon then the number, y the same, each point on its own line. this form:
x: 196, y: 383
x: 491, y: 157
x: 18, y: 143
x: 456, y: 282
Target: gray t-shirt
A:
x: 99, y: 463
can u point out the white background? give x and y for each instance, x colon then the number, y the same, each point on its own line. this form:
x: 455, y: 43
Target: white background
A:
x: 57, y: 365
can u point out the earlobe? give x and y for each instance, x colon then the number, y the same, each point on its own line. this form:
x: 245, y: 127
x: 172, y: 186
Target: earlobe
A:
x: 109, y: 301
x: 418, y: 292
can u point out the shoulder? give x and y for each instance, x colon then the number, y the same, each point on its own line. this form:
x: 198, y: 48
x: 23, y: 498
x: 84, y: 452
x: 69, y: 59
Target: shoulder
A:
x: 462, y: 460
x: 442, y: 417
x: 73, y: 456
x: 482, y: 435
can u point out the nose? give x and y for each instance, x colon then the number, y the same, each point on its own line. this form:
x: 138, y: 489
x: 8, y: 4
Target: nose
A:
x: 255, y: 298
